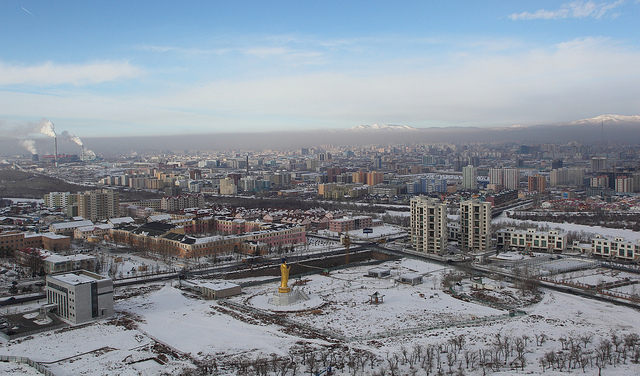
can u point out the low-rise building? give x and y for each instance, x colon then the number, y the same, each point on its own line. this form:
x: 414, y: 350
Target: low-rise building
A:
x: 80, y: 296
x: 15, y: 240
x: 615, y: 247
x: 531, y: 240
x: 350, y: 223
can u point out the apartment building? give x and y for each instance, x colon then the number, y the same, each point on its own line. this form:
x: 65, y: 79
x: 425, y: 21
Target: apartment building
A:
x: 469, y: 178
x: 475, y: 225
x: 98, y: 204
x: 428, y: 225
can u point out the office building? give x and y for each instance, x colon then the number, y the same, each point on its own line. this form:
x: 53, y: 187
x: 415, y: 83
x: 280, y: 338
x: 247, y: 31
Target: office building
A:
x: 80, y: 296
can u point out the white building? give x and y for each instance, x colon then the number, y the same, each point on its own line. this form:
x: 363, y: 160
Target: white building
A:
x: 469, y: 178
x: 511, y: 178
x: 80, y: 296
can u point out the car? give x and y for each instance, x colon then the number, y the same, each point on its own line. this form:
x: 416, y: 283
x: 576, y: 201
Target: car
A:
x: 39, y: 283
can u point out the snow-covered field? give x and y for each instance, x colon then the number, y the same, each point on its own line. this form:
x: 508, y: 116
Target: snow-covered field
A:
x: 166, y: 330
x: 349, y: 313
x: 378, y: 231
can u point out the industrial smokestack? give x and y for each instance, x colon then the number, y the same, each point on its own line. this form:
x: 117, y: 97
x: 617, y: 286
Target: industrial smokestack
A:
x: 247, y: 165
x: 82, y: 155
x: 55, y: 147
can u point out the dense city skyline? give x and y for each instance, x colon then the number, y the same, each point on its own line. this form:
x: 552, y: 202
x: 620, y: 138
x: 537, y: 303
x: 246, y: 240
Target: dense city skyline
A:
x: 213, y: 67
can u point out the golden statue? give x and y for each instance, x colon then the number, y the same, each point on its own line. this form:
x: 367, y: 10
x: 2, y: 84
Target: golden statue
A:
x: 284, y: 278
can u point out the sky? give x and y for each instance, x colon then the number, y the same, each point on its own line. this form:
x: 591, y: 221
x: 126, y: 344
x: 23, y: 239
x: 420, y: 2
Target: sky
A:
x: 132, y: 68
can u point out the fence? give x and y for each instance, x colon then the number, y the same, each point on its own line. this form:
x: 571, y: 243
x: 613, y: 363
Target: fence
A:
x: 35, y: 331
x: 593, y: 289
x: 24, y: 360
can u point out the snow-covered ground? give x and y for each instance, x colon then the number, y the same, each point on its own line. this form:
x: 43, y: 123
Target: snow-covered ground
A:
x: 378, y: 232
x: 168, y: 330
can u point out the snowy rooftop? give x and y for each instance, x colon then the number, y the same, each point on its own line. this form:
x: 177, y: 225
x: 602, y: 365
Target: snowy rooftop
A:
x: 221, y: 285
x: 51, y: 235
x: 74, y: 279
x: 68, y: 225
x: 117, y: 221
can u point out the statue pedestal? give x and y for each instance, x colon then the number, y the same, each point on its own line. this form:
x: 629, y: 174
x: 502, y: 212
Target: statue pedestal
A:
x: 284, y: 290
x: 288, y: 298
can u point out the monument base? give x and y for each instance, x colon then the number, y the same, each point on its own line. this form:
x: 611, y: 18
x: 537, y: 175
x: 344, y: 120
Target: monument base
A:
x: 284, y: 290
x: 288, y: 298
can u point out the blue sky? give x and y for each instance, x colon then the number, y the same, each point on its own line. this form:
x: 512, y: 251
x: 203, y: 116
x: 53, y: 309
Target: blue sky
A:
x: 116, y: 68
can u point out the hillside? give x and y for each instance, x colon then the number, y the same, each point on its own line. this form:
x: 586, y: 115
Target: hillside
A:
x: 21, y: 184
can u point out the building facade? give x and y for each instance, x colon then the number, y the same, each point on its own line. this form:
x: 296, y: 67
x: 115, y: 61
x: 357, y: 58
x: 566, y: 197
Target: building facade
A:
x: 80, y: 296
x: 475, y: 225
x: 469, y: 178
x: 428, y: 225
x: 531, y: 240
x: 98, y: 204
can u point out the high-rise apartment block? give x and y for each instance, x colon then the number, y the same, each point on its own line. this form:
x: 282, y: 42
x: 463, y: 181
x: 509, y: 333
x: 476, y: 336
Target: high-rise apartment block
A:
x: 598, y: 164
x: 428, y: 225
x: 475, y: 225
x: 537, y: 183
x: 508, y: 178
x: 469, y: 178
x: 496, y: 176
x: 511, y: 178
x: 624, y: 184
x: 98, y: 204
x: 374, y: 178
x: 54, y: 200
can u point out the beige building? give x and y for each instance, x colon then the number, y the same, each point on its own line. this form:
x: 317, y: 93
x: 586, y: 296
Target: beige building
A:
x: 428, y: 225
x: 15, y: 240
x: 475, y: 225
x: 98, y: 204
x: 531, y: 240
x: 616, y: 248
x: 228, y: 187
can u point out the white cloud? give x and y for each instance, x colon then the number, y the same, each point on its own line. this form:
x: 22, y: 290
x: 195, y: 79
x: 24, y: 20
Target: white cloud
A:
x: 576, y: 9
x: 50, y: 73
x: 564, y: 82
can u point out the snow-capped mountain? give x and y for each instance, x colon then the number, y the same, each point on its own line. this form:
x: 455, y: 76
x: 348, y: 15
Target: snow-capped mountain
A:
x: 382, y: 127
x: 618, y: 119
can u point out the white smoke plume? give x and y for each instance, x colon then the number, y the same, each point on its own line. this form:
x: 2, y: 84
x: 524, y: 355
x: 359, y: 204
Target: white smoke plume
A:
x: 29, y: 145
x: 47, y: 128
x: 66, y: 136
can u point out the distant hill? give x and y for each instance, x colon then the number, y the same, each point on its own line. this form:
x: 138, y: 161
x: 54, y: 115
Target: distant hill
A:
x: 383, y: 128
x: 604, y: 128
x: 21, y: 184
